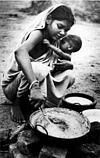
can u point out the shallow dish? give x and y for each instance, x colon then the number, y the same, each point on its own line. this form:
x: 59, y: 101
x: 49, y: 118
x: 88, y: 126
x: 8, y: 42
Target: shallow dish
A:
x: 93, y: 115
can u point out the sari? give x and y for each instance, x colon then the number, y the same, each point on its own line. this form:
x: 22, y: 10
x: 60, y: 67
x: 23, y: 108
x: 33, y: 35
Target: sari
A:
x: 53, y: 85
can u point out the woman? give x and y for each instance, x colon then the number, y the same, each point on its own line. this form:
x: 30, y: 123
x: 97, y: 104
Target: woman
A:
x: 29, y: 72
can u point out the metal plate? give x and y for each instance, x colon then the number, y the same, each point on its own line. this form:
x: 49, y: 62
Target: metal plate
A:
x: 92, y: 114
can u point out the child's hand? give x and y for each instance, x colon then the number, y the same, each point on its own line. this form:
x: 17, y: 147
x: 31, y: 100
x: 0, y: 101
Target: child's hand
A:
x: 63, y: 65
x: 45, y: 41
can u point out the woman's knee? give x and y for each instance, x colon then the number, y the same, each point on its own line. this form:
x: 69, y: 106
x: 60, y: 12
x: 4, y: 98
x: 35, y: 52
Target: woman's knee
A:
x: 10, y: 90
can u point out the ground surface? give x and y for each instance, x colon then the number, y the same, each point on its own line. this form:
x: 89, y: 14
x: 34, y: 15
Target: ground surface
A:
x: 86, y: 61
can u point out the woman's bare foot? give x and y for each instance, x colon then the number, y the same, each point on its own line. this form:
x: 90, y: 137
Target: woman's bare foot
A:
x: 16, y: 113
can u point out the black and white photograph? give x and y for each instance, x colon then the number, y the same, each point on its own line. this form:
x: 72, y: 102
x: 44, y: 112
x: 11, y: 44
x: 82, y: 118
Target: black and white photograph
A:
x: 49, y: 78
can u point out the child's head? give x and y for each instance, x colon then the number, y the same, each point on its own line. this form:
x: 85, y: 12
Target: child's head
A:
x: 70, y: 43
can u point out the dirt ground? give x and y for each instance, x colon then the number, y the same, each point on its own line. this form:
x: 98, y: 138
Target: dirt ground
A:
x: 86, y: 62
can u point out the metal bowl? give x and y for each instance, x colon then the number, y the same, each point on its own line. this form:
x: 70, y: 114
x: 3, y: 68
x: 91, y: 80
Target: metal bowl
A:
x: 79, y: 101
x: 63, y: 123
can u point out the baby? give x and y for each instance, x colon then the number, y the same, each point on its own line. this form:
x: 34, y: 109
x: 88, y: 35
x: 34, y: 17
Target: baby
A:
x: 68, y: 45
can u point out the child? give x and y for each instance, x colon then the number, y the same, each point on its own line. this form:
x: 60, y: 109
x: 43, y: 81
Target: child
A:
x: 68, y: 45
x: 29, y: 69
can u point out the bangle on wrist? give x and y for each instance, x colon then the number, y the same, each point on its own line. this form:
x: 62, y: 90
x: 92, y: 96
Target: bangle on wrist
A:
x: 35, y: 82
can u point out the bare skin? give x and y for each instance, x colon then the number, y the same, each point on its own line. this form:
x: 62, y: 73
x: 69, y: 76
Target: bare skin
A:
x: 16, y: 113
x: 58, y: 51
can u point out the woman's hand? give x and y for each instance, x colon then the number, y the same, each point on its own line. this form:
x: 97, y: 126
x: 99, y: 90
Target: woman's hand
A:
x: 36, y: 95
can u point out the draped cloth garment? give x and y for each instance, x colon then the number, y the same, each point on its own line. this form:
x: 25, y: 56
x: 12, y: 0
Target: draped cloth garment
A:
x: 53, y: 87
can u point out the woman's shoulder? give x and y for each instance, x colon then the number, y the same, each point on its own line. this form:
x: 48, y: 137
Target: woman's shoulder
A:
x: 35, y: 34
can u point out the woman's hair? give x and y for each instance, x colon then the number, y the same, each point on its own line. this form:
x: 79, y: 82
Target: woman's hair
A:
x: 74, y: 40
x: 63, y: 13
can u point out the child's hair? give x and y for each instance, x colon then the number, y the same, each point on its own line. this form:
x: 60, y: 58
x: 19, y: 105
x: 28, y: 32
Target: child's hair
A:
x: 63, y: 13
x: 74, y: 40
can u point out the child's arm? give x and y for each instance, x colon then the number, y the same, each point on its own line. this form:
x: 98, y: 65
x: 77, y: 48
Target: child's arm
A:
x: 58, y: 51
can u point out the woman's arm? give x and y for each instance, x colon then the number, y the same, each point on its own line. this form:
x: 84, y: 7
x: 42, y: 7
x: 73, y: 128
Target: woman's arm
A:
x: 23, y: 59
x: 22, y: 54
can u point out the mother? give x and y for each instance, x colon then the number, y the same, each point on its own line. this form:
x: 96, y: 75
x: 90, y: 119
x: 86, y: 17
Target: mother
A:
x: 30, y: 67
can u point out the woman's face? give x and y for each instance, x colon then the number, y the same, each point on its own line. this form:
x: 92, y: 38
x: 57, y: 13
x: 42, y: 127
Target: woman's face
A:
x: 58, y: 29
